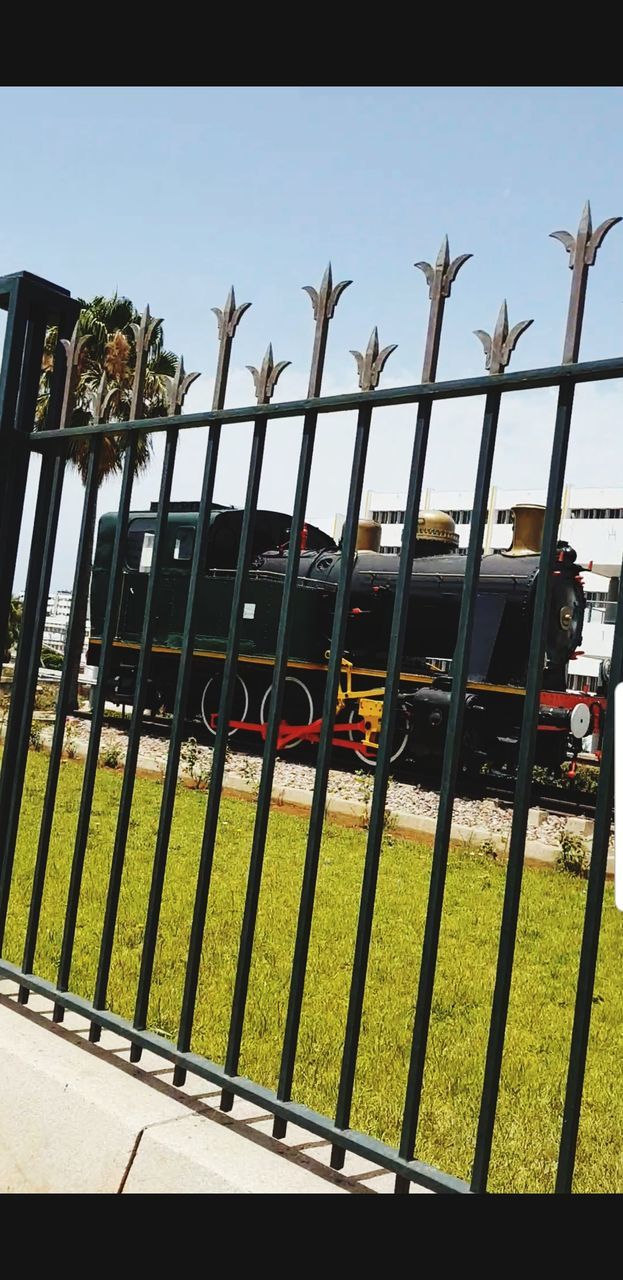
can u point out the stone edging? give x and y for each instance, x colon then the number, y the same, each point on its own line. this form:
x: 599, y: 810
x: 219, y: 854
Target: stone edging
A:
x: 412, y: 826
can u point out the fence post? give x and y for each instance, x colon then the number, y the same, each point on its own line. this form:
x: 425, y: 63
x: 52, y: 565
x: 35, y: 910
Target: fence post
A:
x: 32, y: 304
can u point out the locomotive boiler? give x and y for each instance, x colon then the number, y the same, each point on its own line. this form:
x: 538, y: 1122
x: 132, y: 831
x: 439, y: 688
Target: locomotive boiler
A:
x: 498, y: 660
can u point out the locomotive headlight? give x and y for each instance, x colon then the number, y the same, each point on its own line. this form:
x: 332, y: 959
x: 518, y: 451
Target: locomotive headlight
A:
x: 566, y: 617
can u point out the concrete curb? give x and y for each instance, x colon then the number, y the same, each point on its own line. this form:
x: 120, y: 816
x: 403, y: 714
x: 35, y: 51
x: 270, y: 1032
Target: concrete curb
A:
x: 415, y: 826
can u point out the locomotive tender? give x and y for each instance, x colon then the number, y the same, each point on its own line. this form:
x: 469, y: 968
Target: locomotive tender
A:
x: 498, y: 660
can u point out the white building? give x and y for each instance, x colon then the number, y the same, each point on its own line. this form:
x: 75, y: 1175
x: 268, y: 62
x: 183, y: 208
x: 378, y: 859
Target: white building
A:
x: 591, y: 521
x: 57, y: 622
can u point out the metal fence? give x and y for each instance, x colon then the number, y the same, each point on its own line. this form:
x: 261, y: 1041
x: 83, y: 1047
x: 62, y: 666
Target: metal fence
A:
x: 33, y: 305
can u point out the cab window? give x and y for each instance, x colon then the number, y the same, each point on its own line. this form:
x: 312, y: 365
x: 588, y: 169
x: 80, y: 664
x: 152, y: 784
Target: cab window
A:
x: 140, y: 545
x: 183, y: 543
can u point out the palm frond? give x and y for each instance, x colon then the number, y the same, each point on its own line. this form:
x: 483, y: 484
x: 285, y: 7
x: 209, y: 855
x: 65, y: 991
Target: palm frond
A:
x: 111, y: 348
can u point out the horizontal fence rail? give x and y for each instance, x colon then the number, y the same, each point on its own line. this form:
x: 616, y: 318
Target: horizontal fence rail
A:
x: 460, y: 389
x: 35, y: 307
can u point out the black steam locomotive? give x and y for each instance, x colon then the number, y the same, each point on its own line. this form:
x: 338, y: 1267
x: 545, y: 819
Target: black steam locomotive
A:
x: 498, y: 658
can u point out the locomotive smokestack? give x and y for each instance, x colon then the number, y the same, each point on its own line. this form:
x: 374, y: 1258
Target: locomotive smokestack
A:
x: 528, y: 521
x: 368, y: 535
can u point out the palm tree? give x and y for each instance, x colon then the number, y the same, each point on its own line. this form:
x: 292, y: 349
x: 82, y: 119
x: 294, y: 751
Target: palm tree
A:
x: 109, y: 353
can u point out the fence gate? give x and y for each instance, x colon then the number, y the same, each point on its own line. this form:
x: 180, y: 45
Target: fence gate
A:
x: 33, y: 305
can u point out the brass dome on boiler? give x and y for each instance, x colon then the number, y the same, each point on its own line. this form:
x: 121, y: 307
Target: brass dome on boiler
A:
x: 437, y: 526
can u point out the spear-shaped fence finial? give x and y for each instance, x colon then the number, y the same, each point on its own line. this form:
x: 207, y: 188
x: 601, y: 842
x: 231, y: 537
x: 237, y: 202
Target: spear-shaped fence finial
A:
x: 582, y: 249
x: 440, y: 279
x: 267, y: 376
x: 500, y: 347
x: 179, y: 384
x: 228, y: 318
x: 370, y: 366
x: 324, y: 301
x: 73, y: 349
x: 143, y: 334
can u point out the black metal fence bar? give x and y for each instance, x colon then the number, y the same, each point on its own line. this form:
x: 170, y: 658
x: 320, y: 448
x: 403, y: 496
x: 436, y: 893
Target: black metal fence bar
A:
x: 370, y: 368
x: 228, y: 321
x: 447, y: 787
x: 521, y: 805
x: 14, y: 446
x: 82, y: 568
x: 30, y: 303
x: 498, y: 350
x: 134, y: 736
x: 24, y: 685
x: 144, y: 333
x: 265, y: 382
x: 582, y: 252
x: 453, y: 389
x: 440, y: 279
x: 324, y: 302
x: 97, y: 716
x: 592, y: 923
x: 43, y: 543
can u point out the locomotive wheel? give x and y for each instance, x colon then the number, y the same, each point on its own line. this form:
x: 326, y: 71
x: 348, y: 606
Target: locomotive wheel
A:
x: 401, y: 737
x: 298, y: 706
x: 211, y: 698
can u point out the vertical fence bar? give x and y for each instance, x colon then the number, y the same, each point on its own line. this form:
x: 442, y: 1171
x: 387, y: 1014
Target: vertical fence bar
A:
x: 370, y: 367
x: 62, y: 708
x: 324, y: 303
x: 592, y: 924
x: 25, y: 298
x: 228, y: 320
x: 265, y: 381
x: 43, y: 543
x: 82, y: 570
x: 144, y: 333
x: 440, y: 283
x: 14, y: 455
x: 582, y: 251
x: 179, y: 386
x: 498, y: 351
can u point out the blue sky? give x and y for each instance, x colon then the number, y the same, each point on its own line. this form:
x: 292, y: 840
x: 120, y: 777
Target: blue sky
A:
x: 171, y: 195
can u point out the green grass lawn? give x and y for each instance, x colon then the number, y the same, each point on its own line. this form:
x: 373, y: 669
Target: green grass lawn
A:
x: 537, y: 1045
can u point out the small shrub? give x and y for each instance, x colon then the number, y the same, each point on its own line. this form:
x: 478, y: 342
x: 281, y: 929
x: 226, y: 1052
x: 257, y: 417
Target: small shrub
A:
x: 46, y: 697
x: 573, y: 856
x: 196, y: 765
x: 250, y: 770
x: 51, y: 659
x: 544, y: 777
x: 71, y: 739
x: 488, y: 849
x: 36, y: 739
x: 110, y: 755
x: 364, y: 783
x: 585, y: 779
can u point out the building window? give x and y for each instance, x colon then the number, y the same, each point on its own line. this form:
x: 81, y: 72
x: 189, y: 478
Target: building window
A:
x: 597, y: 513
x: 389, y: 517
